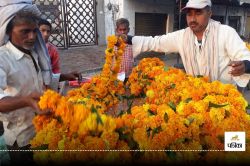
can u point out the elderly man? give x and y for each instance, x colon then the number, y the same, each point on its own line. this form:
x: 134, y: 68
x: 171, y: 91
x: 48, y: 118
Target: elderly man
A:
x: 24, y: 74
x: 122, y: 28
x: 206, y: 47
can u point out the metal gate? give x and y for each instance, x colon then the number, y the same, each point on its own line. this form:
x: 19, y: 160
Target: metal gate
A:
x: 73, y: 21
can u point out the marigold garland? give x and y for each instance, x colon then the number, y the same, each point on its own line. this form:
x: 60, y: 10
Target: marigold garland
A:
x: 178, y: 112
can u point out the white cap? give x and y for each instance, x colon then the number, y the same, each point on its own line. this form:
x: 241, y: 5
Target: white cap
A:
x: 197, y: 4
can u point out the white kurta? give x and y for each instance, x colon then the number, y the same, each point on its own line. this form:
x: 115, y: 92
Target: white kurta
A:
x: 231, y: 48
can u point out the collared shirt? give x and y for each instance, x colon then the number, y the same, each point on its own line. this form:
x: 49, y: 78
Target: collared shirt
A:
x: 54, y: 57
x: 19, y: 77
x: 231, y: 48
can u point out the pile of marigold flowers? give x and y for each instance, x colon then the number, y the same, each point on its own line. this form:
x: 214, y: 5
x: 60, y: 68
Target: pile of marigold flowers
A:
x: 180, y: 118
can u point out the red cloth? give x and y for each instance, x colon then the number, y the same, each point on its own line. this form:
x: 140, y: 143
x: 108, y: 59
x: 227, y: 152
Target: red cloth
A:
x: 54, y: 57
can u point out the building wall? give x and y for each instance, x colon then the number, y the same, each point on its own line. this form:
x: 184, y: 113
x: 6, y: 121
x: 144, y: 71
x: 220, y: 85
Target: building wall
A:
x: 100, y: 16
x: 247, y: 24
x: 238, y: 11
x: 114, y: 9
x: 107, y: 11
x: 149, y: 6
x: 228, y: 11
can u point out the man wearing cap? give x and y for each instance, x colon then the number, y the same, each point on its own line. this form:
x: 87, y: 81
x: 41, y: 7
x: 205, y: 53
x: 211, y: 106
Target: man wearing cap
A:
x: 206, y: 47
x: 25, y: 72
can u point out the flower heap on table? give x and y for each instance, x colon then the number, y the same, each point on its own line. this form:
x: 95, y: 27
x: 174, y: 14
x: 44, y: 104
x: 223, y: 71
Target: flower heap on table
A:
x: 178, y: 112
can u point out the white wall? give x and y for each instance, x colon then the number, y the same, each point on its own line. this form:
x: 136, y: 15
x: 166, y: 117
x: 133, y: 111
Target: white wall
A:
x: 106, y: 18
x: 127, y: 9
x: 112, y: 14
x: 148, y: 6
x: 100, y: 22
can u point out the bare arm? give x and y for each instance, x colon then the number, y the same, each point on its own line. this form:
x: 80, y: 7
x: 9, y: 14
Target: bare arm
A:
x: 56, y: 78
x: 9, y: 103
x: 69, y: 76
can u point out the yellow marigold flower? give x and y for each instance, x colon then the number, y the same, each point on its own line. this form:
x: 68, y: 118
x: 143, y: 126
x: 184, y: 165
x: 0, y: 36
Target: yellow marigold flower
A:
x: 108, y: 124
x: 150, y: 93
x: 145, y: 107
x: 112, y: 40
x: 180, y: 108
x: 217, y: 115
x: 61, y: 143
x: 48, y: 100
x: 140, y: 136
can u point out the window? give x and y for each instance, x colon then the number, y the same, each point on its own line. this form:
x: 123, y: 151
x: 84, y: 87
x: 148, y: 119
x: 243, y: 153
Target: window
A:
x: 150, y: 24
x: 219, y: 18
x: 234, y: 21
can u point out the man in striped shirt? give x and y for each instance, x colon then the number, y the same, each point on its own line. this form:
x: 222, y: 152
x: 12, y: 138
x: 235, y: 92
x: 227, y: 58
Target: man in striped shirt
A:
x: 122, y: 28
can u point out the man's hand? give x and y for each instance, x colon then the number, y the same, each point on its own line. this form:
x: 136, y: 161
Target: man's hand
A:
x: 9, y: 103
x: 33, y: 100
x: 123, y: 37
x: 238, y: 68
x: 70, y: 76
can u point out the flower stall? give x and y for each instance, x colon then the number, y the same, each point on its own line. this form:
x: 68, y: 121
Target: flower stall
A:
x: 161, y: 115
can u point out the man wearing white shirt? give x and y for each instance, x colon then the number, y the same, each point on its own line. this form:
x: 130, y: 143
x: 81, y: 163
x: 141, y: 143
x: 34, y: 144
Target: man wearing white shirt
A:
x: 24, y: 75
x: 206, y: 47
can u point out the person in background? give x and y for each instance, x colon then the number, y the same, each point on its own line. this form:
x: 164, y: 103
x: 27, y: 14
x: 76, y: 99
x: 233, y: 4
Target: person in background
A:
x: 25, y: 72
x: 122, y: 28
x: 45, y: 28
x: 206, y: 47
